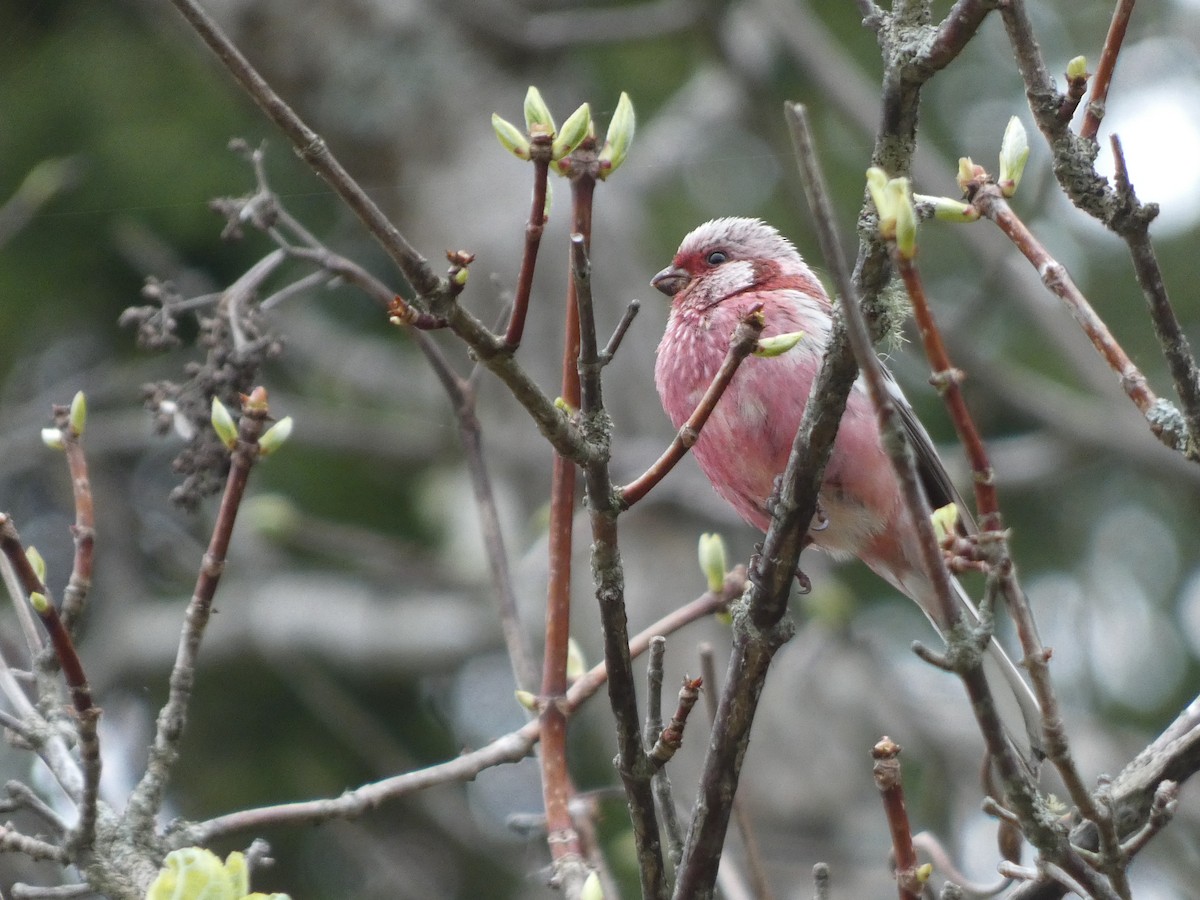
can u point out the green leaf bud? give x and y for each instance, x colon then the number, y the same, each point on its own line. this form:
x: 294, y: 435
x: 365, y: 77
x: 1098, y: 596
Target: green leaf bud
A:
x: 948, y: 209
x: 77, y: 418
x: 945, y: 521
x: 38, y: 563
x: 223, y: 424
x: 713, y: 565
x: 778, y: 344
x: 192, y: 873
x: 1077, y: 68
x: 618, y: 138
x: 538, y: 119
x: 527, y: 700
x: 574, y: 130
x: 906, y: 218
x: 576, y: 661
x: 1014, y: 152
x: 40, y: 604
x: 510, y: 137
x: 275, y: 436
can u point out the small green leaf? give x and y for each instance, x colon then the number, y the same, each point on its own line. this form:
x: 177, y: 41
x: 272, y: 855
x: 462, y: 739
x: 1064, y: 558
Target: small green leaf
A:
x: 906, y: 217
x: 713, y: 563
x: 275, y: 436
x: 945, y: 521
x: 1014, y: 152
x: 38, y: 563
x: 538, y: 119
x: 619, y: 137
x: 1077, y: 68
x: 77, y: 418
x: 510, y: 137
x: 777, y: 344
x: 948, y: 209
x: 223, y: 424
x: 574, y: 130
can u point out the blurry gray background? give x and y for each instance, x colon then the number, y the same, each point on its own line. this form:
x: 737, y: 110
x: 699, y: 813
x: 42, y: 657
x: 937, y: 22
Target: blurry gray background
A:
x: 355, y: 635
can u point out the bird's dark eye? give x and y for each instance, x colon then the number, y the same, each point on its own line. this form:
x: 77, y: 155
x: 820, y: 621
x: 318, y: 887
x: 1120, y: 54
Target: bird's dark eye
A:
x: 717, y: 257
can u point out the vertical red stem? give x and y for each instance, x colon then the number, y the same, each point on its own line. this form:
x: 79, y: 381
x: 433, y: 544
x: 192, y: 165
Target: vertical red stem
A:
x: 556, y: 784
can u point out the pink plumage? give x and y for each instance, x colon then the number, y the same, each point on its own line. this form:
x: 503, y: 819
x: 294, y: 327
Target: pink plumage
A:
x: 721, y: 269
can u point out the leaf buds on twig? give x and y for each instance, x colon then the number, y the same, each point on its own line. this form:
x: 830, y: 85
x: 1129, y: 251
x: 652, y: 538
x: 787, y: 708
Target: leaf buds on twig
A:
x: 1014, y: 152
x: 945, y: 521
x: 275, y: 436
x: 538, y: 119
x: 897, y: 218
x: 37, y: 561
x: 223, y: 424
x: 778, y: 344
x: 510, y: 137
x: 574, y: 130
x: 947, y: 209
x: 77, y: 417
x: 713, y: 561
x: 618, y: 138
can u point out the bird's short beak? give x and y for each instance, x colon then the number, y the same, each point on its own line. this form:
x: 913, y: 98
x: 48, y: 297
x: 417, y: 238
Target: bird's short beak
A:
x: 671, y: 280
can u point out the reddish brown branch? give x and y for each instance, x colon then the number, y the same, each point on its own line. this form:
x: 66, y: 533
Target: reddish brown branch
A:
x: 533, y: 240
x: 87, y: 715
x: 146, y: 799
x: 1104, y: 70
x: 947, y: 380
x: 565, y: 848
x: 990, y: 203
x: 886, y: 770
x: 84, y: 529
x: 745, y: 339
x: 670, y: 738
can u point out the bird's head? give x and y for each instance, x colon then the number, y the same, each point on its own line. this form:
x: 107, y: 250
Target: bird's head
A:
x: 724, y: 257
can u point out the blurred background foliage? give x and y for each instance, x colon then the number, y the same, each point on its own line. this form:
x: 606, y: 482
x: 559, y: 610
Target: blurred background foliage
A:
x: 355, y: 637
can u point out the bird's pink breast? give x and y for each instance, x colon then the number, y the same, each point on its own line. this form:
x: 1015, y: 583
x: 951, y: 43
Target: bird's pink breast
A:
x: 746, y: 442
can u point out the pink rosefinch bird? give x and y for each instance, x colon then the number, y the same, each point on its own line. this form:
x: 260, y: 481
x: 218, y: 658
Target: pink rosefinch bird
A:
x: 722, y: 269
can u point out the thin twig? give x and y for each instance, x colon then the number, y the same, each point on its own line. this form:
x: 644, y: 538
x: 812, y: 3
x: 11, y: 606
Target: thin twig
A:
x: 438, y: 293
x: 661, y: 781
x: 986, y: 197
x: 565, y: 850
x: 312, y: 149
x: 886, y: 770
x: 760, y: 885
x: 948, y: 380
x: 1104, y: 69
x: 1175, y: 347
x: 633, y: 765
x: 670, y: 738
x: 533, y: 239
x: 146, y: 799
x: 84, y: 529
x: 510, y: 748
x: 741, y: 345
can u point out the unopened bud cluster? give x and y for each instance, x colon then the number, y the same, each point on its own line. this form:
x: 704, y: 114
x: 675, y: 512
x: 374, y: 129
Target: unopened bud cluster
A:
x: 543, y: 136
